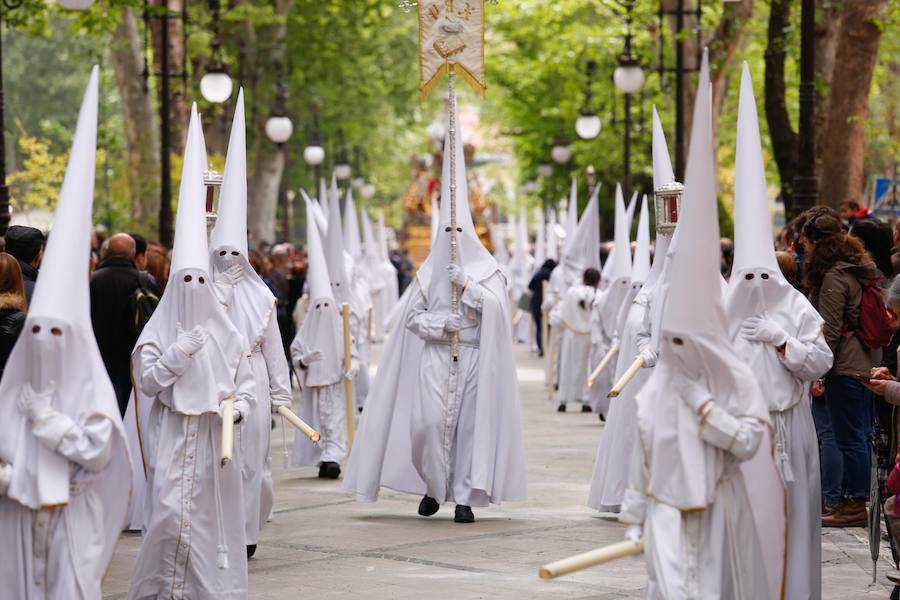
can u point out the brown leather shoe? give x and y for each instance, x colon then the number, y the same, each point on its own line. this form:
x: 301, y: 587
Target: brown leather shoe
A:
x: 852, y: 513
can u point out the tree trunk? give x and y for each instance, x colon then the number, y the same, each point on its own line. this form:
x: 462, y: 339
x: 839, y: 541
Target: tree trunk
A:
x: 827, y: 26
x: 269, y: 165
x: 857, y: 50
x: 179, y: 111
x: 141, y: 133
x: 784, y: 138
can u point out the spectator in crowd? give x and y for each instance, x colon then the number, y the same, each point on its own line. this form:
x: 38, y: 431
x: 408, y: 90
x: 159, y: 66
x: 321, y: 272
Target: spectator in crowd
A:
x: 140, y: 251
x: 26, y: 244
x: 536, y: 285
x: 727, y: 256
x: 837, y: 267
x: 116, y: 310
x: 788, y: 266
x: 895, y: 248
x: 851, y: 211
x: 158, y: 266
x: 12, y: 305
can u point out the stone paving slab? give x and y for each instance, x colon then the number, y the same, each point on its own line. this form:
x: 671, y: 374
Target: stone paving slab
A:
x: 323, y: 544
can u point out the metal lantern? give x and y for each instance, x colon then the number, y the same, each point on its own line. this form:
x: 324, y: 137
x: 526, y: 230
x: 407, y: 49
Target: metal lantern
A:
x: 667, y: 200
x: 213, y: 181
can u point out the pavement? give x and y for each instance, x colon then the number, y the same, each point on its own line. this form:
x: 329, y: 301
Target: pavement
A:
x: 321, y: 543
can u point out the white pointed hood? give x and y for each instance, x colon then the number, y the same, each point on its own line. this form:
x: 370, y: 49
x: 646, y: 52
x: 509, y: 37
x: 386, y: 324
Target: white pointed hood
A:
x: 552, y: 239
x: 435, y: 215
x: 582, y: 249
x: 640, y: 270
x: 474, y: 258
x: 383, y: 239
x: 501, y: 253
x: 352, y: 242
x: 370, y: 244
x: 338, y: 272
x: 684, y: 470
x: 57, y: 345
x: 618, y: 267
x: 318, y: 215
x: 629, y: 213
x: 572, y: 210
x: 189, y: 300
x: 753, y: 239
x: 540, y: 241
x: 323, y: 197
x: 662, y: 164
x: 520, y: 266
x: 321, y: 327
x: 251, y: 302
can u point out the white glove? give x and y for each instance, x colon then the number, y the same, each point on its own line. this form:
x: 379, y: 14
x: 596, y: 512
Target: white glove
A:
x: 456, y: 275
x: 191, y: 341
x: 634, y: 533
x: 353, y: 370
x: 230, y: 276
x: 650, y: 357
x: 692, y: 392
x: 452, y: 323
x: 311, y: 357
x: 237, y: 414
x: 758, y: 329
x: 35, y: 405
x: 276, y: 402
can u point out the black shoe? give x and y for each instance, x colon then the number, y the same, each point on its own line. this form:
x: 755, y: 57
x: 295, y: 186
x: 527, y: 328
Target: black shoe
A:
x: 586, y: 408
x: 428, y: 506
x: 329, y: 470
x: 251, y: 550
x: 602, y: 417
x: 463, y: 514
x: 562, y: 407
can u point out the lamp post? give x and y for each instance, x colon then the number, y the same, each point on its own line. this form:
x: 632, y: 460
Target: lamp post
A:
x: 587, y: 125
x: 342, y: 168
x: 279, y: 129
x: 628, y: 77
x: 215, y: 85
x: 4, y: 189
x: 805, y: 185
x: 314, y: 153
x: 561, y: 153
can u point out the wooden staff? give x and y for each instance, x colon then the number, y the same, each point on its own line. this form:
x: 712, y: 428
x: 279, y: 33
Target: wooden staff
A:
x: 227, y: 430
x: 593, y: 558
x: 299, y: 423
x: 348, y: 383
x: 551, y: 356
x: 604, y: 362
x: 371, y: 320
x: 627, y: 376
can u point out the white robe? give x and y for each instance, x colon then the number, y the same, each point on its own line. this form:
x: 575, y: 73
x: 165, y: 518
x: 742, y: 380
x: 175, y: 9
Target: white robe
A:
x: 573, y: 323
x: 706, y: 554
x: 53, y: 552
x: 187, y: 532
x: 616, y: 447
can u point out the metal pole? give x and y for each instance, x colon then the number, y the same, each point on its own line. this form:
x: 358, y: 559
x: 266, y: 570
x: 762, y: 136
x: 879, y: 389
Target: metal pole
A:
x: 4, y: 189
x: 283, y: 196
x: 627, y: 178
x: 166, y: 229
x: 454, y: 290
x: 679, y: 93
x: 805, y: 185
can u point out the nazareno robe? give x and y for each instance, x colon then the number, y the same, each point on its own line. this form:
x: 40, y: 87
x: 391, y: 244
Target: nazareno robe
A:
x: 572, y: 320
x: 393, y: 450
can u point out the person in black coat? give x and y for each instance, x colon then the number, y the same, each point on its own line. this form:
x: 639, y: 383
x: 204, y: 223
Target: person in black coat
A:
x: 26, y: 244
x: 12, y: 306
x: 113, y: 286
x: 536, y: 285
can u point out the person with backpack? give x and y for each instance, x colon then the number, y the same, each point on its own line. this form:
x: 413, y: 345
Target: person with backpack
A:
x: 842, y: 281
x: 122, y: 301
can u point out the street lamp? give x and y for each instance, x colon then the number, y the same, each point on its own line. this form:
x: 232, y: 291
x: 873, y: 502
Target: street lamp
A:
x: 314, y: 153
x: 75, y: 4
x: 367, y: 191
x: 545, y: 170
x: 805, y: 184
x: 587, y: 126
x: 342, y: 168
x: 628, y: 77
x: 561, y: 152
x: 278, y: 129
x: 216, y: 86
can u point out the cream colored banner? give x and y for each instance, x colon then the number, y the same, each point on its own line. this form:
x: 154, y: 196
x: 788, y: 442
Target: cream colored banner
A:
x: 451, y: 33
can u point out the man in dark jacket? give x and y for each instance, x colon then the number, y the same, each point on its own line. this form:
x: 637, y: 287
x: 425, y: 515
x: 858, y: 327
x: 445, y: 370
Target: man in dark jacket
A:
x: 536, y: 285
x: 27, y: 245
x: 113, y: 286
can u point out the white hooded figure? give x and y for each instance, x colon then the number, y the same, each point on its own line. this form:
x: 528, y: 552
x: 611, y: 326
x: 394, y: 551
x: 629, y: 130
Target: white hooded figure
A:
x: 552, y: 238
x: 617, y: 442
x: 65, y: 472
x: 435, y: 426
x: 778, y: 334
x: 188, y: 360
x: 605, y: 322
x: 520, y: 271
x: 571, y: 317
x: 384, y: 282
x: 250, y: 305
x: 388, y: 270
x: 700, y: 415
x: 317, y: 352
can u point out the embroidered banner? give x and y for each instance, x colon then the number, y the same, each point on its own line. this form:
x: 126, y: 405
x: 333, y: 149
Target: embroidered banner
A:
x: 451, y: 32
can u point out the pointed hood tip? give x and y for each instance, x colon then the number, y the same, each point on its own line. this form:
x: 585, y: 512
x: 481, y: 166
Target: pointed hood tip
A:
x: 231, y: 224
x: 317, y: 268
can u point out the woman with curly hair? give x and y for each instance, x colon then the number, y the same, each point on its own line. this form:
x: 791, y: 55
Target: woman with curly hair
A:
x: 12, y: 305
x: 837, y: 269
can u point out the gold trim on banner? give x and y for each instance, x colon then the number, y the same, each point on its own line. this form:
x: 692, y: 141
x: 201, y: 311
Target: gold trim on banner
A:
x: 426, y: 87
